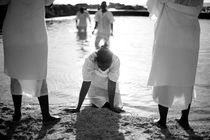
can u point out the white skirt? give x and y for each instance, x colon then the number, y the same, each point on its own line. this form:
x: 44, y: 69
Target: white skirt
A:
x: 30, y: 88
x: 99, y: 96
x: 173, y: 96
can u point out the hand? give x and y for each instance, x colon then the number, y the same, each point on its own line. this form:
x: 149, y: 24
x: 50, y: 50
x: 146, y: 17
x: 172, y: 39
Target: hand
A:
x: 112, y: 34
x: 72, y: 110
x: 93, y: 31
x: 117, y: 110
x: 77, y: 27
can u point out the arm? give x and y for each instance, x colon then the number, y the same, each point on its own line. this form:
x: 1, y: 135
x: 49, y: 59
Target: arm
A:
x: 111, y: 92
x: 77, y: 19
x: 88, y: 16
x: 155, y: 7
x: 113, y: 77
x: 83, y: 92
x: 89, y: 19
x: 49, y: 2
x: 76, y: 23
x: 96, y: 26
x: 112, y: 31
x: 111, y: 95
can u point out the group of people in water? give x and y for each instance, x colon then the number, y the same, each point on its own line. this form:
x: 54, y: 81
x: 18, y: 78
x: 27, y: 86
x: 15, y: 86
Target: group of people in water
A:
x: 174, y: 62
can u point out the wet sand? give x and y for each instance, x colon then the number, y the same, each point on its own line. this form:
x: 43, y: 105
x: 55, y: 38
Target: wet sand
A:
x: 97, y: 124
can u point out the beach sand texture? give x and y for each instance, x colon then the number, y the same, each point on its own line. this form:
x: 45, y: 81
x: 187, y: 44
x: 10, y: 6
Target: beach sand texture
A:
x: 94, y: 124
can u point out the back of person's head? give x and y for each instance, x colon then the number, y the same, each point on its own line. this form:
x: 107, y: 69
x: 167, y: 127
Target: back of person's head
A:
x: 103, y: 5
x: 81, y: 10
x: 104, y: 56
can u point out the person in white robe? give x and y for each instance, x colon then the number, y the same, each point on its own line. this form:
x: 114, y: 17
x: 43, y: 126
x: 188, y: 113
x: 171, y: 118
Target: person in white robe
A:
x: 25, y: 53
x: 100, y: 81
x: 81, y: 20
x: 104, y: 24
x: 175, y: 55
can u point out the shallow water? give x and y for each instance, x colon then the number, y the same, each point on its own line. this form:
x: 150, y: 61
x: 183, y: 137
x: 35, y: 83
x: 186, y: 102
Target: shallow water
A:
x: 132, y: 42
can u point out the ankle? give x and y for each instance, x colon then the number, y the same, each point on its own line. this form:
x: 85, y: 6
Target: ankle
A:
x: 162, y: 122
x: 46, y: 117
x: 16, y: 117
x: 184, y: 120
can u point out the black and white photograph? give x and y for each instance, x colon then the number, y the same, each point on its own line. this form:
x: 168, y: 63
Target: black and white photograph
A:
x: 104, y: 69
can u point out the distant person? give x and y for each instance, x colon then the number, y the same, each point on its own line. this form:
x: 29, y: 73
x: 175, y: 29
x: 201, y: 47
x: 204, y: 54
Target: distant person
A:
x: 81, y: 20
x: 175, y: 56
x: 100, y: 75
x: 25, y: 53
x: 104, y: 24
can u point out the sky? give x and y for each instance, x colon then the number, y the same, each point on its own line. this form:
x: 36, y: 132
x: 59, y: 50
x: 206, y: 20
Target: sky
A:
x: 128, y: 2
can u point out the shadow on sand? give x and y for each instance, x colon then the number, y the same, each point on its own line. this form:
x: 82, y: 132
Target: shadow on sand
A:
x: 93, y: 123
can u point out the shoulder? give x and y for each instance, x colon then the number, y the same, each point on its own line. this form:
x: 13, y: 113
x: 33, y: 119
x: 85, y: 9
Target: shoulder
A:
x: 91, y: 57
x: 78, y: 13
x: 98, y: 12
x: 115, y: 60
x: 86, y: 13
x: 109, y: 13
x: 115, y: 57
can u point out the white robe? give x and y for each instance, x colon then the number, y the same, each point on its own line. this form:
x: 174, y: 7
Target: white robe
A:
x: 175, y: 52
x: 104, y: 26
x: 25, y: 43
x: 82, y: 17
x: 98, y: 91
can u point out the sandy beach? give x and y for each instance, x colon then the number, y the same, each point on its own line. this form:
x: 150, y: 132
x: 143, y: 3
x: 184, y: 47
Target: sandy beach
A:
x: 93, y: 124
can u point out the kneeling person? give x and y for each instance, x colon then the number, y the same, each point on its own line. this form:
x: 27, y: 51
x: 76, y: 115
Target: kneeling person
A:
x: 100, y: 76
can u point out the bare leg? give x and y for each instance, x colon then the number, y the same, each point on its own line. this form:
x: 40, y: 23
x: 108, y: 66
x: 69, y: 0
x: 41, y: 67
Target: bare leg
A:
x: 44, y: 105
x: 163, y: 112
x: 16, y: 91
x: 183, y: 121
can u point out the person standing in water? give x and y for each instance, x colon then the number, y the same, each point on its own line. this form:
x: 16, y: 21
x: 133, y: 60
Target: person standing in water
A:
x: 104, y: 24
x: 81, y: 20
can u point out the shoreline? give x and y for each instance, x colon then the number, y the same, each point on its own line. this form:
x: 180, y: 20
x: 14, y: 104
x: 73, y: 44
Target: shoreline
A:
x: 126, y: 12
x: 144, y: 13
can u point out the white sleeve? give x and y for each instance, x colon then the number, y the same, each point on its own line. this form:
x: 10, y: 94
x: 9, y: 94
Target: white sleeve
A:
x: 155, y: 7
x: 49, y: 2
x: 111, y: 17
x: 4, y: 2
x: 87, y: 70
x: 77, y: 16
x: 114, y: 72
x: 96, y: 17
